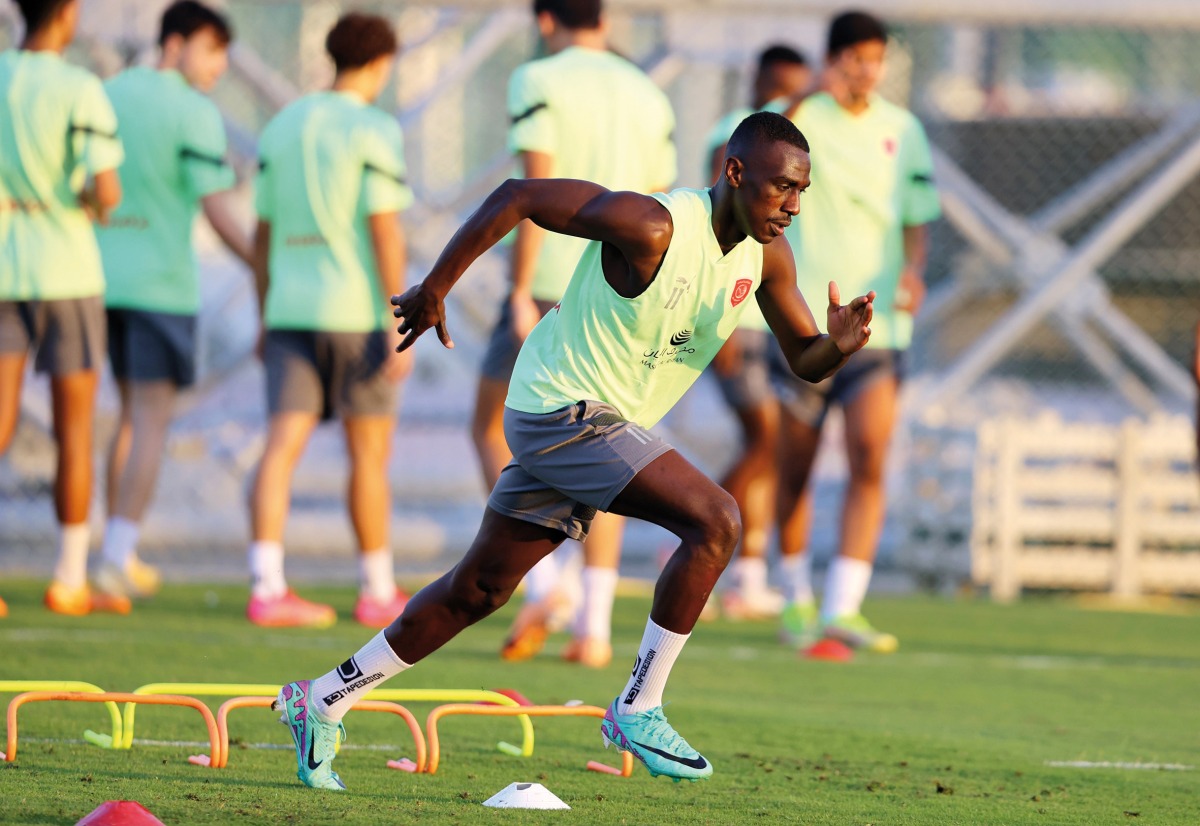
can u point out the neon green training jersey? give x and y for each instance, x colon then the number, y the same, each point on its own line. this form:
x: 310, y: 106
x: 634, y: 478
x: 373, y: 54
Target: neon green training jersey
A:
x: 640, y: 354
x: 175, y: 142
x: 57, y: 128
x: 872, y: 175
x: 602, y: 120
x: 328, y: 162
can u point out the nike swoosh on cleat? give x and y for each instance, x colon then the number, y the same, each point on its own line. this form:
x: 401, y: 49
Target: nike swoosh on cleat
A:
x: 313, y: 765
x: 698, y: 762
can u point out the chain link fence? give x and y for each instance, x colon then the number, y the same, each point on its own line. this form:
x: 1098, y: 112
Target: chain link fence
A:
x: 1065, y: 274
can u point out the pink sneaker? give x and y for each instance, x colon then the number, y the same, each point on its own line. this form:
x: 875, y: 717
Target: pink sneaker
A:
x: 375, y: 613
x: 289, y: 611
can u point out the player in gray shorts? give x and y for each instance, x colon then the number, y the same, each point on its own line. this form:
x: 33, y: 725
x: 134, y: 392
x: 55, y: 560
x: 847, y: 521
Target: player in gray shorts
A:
x: 809, y: 403
x: 327, y: 373
x: 145, y: 346
x: 67, y: 335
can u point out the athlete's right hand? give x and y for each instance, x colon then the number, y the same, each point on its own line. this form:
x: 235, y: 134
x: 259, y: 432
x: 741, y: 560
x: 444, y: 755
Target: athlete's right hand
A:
x: 419, y: 309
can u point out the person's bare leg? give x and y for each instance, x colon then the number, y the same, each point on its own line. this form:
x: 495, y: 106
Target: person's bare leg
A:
x: 799, y: 443
x: 12, y: 373
x: 487, y: 429
x: 74, y: 403
x: 118, y: 450
x: 270, y: 496
x: 591, y: 643
x: 368, y: 497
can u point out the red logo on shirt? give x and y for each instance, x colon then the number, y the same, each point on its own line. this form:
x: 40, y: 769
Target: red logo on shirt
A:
x: 740, y: 290
x: 889, y: 146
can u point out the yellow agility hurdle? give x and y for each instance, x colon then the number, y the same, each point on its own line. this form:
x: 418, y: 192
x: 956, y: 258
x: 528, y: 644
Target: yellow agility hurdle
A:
x: 508, y: 711
x: 399, y: 695
x: 18, y: 686
x: 107, y: 697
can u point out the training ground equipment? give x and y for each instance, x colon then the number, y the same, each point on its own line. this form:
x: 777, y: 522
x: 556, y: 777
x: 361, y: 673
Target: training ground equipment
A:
x: 525, y: 796
x: 120, y: 813
x: 17, y: 686
x: 830, y: 650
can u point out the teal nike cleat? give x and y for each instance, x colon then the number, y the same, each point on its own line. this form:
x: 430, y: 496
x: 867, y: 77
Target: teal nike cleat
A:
x: 316, y: 740
x: 650, y: 738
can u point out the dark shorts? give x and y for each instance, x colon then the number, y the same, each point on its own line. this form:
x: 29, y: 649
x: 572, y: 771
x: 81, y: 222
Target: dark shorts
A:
x: 809, y: 403
x: 570, y: 463
x: 502, y: 348
x: 750, y: 386
x: 68, y: 334
x: 144, y: 345
x: 310, y: 371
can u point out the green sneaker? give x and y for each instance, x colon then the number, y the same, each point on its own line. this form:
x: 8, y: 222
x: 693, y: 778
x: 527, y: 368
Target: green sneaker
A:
x: 855, y: 631
x: 649, y: 737
x: 799, y: 627
x: 316, y: 741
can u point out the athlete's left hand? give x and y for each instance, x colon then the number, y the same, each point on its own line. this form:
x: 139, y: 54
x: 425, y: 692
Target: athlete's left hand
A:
x: 849, y: 324
x: 419, y: 309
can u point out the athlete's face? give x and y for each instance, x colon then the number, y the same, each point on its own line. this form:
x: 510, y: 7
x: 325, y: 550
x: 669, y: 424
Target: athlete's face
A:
x: 768, y: 186
x: 859, y: 67
x: 203, y: 58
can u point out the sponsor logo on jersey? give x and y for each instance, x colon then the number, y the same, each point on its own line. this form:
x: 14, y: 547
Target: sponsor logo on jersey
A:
x: 681, y: 338
x: 741, y: 289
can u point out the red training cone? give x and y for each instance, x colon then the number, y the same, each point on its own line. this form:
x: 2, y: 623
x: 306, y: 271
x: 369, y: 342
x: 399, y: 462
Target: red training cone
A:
x: 120, y: 813
x: 830, y: 650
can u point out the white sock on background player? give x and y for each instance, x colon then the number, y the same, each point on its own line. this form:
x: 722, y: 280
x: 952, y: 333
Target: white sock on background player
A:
x: 333, y: 694
x: 120, y: 541
x: 266, y: 570
x: 750, y: 575
x: 594, y: 619
x: 796, y: 573
x: 845, y: 587
x: 377, y: 575
x: 73, y: 542
x: 656, y: 656
x: 542, y: 579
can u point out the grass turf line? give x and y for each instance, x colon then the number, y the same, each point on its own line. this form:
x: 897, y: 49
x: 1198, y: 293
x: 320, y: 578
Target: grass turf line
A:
x: 955, y: 728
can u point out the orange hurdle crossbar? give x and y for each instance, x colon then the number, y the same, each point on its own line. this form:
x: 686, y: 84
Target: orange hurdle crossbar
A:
x: 19, y: 686
x: 108, y: 697
x: 222, y: 760
x: 508, y: 711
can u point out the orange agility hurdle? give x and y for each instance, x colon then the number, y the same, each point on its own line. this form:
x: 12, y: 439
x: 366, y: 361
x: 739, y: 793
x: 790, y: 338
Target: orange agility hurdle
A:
x: 509, y: 711
x: 107, y: 697
x: 18, y: 686
x: 222, y: 760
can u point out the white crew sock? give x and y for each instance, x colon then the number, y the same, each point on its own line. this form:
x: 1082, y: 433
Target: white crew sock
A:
x: 334, y: 694
x: 266, y: 570
x: 796, y: 571
x: 594, y: 620
x: 656, y: 657
x: 845, y: 587
x: 120, y: 541
x: 377, y: 575
x: 542, y: 579
x: 750, y: 575
x: 71, y: 568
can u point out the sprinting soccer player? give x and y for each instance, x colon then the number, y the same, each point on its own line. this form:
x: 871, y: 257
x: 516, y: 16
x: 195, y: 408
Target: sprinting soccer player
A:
x: 658, y: 290
x: 329, y: 251
x: 873, y: 195
x: 59, y: 154
x: 581, y: 112
x: 741, y: 370
x: 175, y: 142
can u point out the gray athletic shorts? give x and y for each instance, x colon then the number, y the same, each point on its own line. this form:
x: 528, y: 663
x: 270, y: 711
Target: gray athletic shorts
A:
x: 809, y: 403
x: 68, y: 333
x: 144, y: 345
x: 311, y: 371
x: 570, y: 463
x: 750, y: 386
x: 502, y: 348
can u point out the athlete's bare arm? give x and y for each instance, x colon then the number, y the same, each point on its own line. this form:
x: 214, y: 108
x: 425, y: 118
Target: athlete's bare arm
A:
x: 636, y: 231
x: 811, y: 354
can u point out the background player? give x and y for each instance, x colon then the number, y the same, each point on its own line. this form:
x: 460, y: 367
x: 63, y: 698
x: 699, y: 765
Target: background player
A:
x: 582, y: 112
x: 175, y: 141
x: 59, y: 154
x: 583, y: 391
x: 872, y: 196
x: 329, y: 250
x: 741, y: 369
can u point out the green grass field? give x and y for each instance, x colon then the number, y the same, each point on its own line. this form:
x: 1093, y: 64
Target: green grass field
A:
x: 957, y: 728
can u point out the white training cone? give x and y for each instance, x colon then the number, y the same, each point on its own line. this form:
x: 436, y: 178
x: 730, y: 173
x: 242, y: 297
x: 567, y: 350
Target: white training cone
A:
x: 525, y: 796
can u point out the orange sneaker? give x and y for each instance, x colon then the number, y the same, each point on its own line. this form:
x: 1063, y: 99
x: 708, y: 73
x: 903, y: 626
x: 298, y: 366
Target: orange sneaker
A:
x: 529, y: 630
x: 588, y: 652
x: 289, y: 611
x: 75, y: 602
x: 3, y: 609
x: 376, y: 613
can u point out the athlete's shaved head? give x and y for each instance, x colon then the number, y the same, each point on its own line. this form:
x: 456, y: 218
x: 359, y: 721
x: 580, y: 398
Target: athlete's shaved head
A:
x: 764, y: 128
x: 37, y: 13
x: 572, y: 14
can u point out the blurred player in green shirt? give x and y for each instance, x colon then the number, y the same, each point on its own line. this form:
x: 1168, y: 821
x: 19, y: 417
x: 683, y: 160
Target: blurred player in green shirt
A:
x: 580, y: 112
x: 59, y: 154
x: 175, y: 142
x: 865, y: 225
x: 742, y: 370
x: 329, y: 251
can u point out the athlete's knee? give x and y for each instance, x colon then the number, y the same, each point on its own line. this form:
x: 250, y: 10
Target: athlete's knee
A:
x: 477, y: 595
x: 866, y: 461
x: 721, y: 527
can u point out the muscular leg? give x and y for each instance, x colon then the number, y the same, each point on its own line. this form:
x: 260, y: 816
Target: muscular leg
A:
x: 870, y: 418
x: 752, y: 479
x: 12, y: 372
x: 487, y: 429
x: 592, y: 630
x: 287, y: 435
x: 369, y: 441
x: 74, y: 403
x: 137, y: 449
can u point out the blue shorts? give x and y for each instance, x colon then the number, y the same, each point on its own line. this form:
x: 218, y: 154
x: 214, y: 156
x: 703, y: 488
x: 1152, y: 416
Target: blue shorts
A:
x: 809, y: 403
